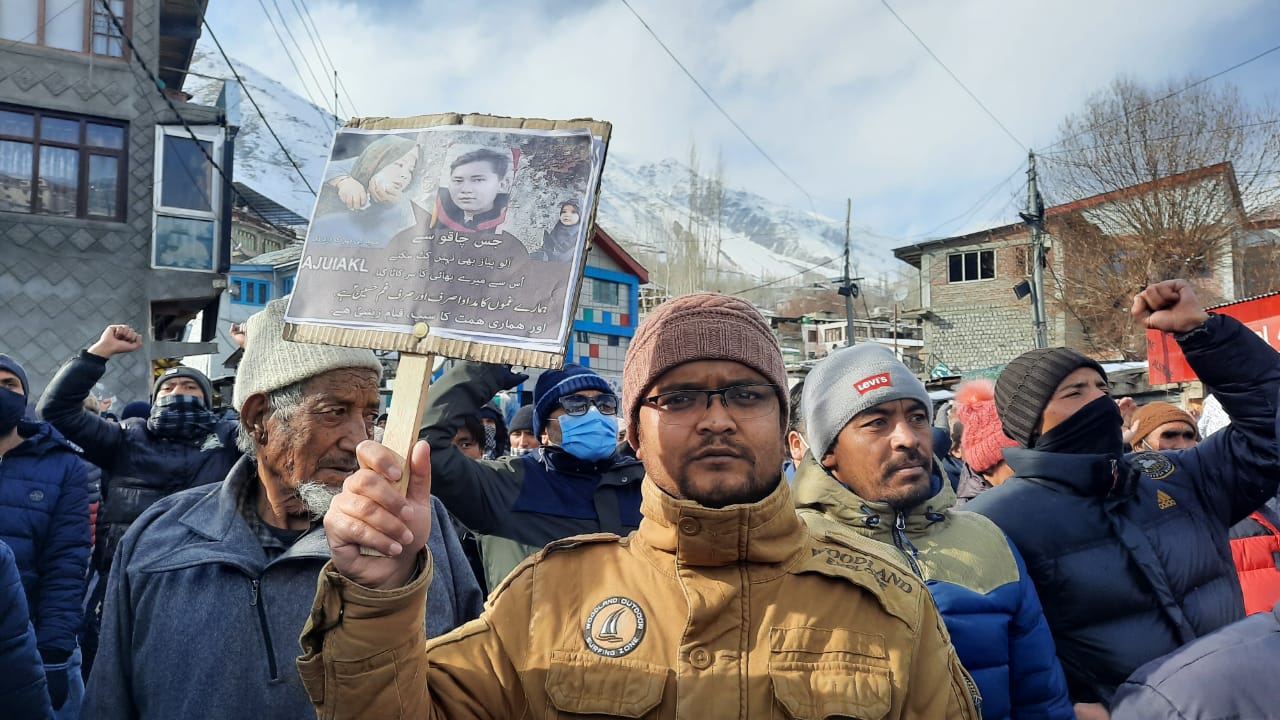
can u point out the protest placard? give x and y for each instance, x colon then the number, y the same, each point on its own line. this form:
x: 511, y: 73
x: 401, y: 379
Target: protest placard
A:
x: 455, y: 235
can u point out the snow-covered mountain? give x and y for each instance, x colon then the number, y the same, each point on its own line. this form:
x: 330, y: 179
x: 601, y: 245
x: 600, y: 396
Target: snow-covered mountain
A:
x: 759, y: 238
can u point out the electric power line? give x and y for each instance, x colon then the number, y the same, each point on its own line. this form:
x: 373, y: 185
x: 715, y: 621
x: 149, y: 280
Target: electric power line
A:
x: 982, y: 201
x: 1141, y: 108
x: 249, y: 95
x: 788, y: 277
x: 717, y: 105
x: 959, y: 82
x: 36, y: 32
x: 320, y: 86
x: 156, y: 84
x: 309, y: 24
x: 1175, y: 136
x: 305, y: 88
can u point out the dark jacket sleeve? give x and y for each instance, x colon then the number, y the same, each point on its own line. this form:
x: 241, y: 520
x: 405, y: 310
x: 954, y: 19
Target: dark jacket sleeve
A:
x: 1038, y: 688
x: 1237, y: 465
x: 62, y: 406
x: 109, y: 694
x: 479, y: 492
x: 64, y: 558
x: 23, y: 691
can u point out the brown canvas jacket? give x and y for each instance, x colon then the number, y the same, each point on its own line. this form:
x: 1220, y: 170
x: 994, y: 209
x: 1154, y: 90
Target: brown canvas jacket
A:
x: 701, y: 613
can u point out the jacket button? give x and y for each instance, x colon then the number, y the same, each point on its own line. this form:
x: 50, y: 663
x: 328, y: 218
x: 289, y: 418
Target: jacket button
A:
x: 700, y: 658
x: 690, y: 526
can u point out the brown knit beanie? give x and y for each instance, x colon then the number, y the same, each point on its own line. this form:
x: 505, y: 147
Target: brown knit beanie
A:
x: 1027, y: 383
x: 1152, y: 415
x: 699, y: 326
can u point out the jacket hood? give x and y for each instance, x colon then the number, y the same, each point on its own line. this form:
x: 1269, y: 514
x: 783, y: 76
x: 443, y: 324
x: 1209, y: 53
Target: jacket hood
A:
x: 767, y: 532
x: 816, y: 489
x: 40, y: 437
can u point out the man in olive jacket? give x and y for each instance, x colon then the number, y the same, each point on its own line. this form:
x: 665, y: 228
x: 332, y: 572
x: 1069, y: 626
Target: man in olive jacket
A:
x: 721, y: 604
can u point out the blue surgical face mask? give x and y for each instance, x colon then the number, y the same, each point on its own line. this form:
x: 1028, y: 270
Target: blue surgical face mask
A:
x: 589, y: 436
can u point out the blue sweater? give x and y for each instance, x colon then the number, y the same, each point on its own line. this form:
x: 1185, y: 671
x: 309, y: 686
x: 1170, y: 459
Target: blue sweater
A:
x: 199, y: 624
x: 44, y: 518
x: 977, y: 579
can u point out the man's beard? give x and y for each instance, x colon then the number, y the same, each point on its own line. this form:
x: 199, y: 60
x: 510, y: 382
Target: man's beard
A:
x: 756, y: 486
x: 316, y: 497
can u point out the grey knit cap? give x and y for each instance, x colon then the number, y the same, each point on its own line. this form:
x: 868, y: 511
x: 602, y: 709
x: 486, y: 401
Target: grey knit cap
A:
x: 851, y: 380
x: 1027, y: 383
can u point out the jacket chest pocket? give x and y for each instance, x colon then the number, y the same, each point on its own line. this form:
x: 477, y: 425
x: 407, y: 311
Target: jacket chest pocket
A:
x: 818, y: 673
x: 585, y: 686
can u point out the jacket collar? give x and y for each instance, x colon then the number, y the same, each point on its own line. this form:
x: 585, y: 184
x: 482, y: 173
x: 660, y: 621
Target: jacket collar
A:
x: 216, y: 519
x: 766, y: 532
x: 1079, y: 473
x: 816, y: 489
x: 557, y: 460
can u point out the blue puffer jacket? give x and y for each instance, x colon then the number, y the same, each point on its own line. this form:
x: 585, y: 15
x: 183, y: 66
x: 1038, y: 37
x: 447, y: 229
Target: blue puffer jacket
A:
x: 977, y: 579
x: 23, y: 693
x: 198, y: 623
x: 44, y: 518
x: 139, y: 466
x: 1130, y: 556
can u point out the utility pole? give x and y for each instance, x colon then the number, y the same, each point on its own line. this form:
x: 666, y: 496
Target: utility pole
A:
x: 335, y: 100
x: 847, y: 288
x: 1034, y: 217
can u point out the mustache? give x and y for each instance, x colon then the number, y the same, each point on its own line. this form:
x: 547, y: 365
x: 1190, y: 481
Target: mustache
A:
x: 718, y: 446
x: 909, y: 459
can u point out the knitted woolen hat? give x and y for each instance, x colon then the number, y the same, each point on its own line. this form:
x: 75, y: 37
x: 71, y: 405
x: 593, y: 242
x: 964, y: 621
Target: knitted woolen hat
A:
x: 136, y: 409
x: 1027, y: 383
x: 699, y: 326
x: 270, y: 362
x: 8, y: 363
x: 848, y: 381
x: 983, y: 440
x: 555, y: 384
x: 1152, y: 415
x: 187, y: 372
x: 523, y: 420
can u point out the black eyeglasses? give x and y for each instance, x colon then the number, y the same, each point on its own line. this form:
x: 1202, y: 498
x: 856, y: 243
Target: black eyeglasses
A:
x: 580, y: 404
x: 686, y: 407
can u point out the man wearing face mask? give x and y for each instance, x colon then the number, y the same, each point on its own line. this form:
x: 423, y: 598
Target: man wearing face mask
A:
x: 1129, y: 553
x: 180, y: 444
x: 575, y: 483
x: 44, y: 518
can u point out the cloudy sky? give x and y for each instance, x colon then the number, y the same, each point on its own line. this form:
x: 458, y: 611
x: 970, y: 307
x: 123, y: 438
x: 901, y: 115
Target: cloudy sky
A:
x: 837, y: 92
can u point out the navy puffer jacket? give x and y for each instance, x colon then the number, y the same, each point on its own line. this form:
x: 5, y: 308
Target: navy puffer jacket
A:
x: 44, y: 518
x: 22, y: 685
x: 1130, y: 556
x: 139, y: 466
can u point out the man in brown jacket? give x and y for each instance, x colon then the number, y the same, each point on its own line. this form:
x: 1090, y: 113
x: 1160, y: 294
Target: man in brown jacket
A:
x: 720, y: 605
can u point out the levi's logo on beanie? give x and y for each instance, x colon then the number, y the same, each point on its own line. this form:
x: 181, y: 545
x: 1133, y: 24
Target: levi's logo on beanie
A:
x: 867, y: 384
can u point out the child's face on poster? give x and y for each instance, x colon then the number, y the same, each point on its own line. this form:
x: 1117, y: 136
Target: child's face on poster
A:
x: 394, y: 178
x: 568, y: 215
x: 475, y: 186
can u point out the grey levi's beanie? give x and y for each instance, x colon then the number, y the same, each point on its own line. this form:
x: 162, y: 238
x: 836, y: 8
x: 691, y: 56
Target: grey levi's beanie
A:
x: 1027, y: 383
x: 270, y: 362
x: 851, y: 380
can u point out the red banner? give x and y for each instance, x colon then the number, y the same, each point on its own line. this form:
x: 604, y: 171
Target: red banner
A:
x: 1167, y: 364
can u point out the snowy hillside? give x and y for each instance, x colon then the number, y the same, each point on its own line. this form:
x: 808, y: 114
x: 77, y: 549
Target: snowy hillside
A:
x: 760, y: 239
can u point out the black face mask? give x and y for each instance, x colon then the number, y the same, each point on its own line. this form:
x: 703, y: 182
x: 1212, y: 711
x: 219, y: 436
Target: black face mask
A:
x: 1095, y: 429
x: 12, y: 406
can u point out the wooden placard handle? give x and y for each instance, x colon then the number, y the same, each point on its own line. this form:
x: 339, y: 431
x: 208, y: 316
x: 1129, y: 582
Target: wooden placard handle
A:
x: 408, y: 400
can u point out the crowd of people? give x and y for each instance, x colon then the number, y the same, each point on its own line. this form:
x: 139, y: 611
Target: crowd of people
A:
x: 711, y: 539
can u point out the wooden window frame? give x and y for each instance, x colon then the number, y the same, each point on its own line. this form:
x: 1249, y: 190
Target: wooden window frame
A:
x: 89, y: 11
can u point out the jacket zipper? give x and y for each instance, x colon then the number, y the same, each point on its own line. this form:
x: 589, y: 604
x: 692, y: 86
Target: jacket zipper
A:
x: 904, y: 545
x: 266, y: 632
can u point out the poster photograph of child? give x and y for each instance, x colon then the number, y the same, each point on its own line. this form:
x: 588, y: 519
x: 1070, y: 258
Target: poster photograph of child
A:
x: 479, y: 232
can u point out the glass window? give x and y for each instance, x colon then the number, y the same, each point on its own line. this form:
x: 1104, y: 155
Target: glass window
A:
x: 75, y: 25
x: 64, y: 24
x: 604, y: 292
x: 106, y: 136
x: 106, y: 39
x: 976, y: 265
x: 15, y: 176
x: 19, y: 20
x: 184, y: 243
x: 17, y: 124
x: 187, y: 174
x: 104, y: 175
x: 59, y: 172
x: 60, y: 130
x: 955, y: 268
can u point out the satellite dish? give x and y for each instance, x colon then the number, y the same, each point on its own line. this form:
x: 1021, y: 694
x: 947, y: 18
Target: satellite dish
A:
x: 899, y: 294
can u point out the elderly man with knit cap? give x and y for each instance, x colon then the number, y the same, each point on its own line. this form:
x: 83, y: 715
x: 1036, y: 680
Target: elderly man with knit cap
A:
x: 721, y: 605
x: 574, y: 483
x: 868, y: 422
x: 1129, y: 553
x: 211, y: 585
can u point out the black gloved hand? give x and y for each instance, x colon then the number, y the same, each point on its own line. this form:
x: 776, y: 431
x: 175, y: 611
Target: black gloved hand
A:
x: 58, y: 686
x: 509, y: 378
